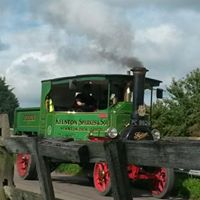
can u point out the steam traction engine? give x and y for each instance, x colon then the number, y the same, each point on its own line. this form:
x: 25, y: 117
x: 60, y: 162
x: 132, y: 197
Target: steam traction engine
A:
x: 95, y: 108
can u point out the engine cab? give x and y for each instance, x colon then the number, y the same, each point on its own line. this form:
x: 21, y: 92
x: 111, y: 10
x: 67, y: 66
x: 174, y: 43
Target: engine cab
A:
x: 89, y: 106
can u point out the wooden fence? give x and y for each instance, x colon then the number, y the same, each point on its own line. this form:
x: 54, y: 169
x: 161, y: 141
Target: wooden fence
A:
x: 164, y: 153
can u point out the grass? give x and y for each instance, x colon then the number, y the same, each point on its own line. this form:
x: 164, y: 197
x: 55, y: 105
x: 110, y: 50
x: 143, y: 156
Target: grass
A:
x: 70, y: 169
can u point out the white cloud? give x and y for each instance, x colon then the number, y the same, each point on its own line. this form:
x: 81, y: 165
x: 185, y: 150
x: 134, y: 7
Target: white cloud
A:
x: 161, y: 35
x: 42, y: 58
x: 157, y: 43
x: 167, y: 50
x: 25, y: 74
x: 69, y: 35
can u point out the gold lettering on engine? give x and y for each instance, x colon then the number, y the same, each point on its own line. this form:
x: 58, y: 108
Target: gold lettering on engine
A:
x: 29, y: 117
x: 140, y: 135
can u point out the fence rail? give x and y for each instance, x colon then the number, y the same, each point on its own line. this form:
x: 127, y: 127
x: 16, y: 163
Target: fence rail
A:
x: 165, y: 153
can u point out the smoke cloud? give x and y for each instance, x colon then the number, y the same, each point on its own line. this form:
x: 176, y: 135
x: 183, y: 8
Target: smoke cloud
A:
x: 124, y: 61
x: 100, y: 29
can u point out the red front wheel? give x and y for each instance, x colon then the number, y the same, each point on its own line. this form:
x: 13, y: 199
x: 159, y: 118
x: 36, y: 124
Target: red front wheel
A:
x: 26, y: 167
x: 163, y: 182
x: 101, y: 178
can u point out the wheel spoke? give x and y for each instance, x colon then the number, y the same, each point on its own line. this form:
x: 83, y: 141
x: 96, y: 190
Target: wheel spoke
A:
x: 100, y: 166
x: 159, y: 182
x: 160, y: 187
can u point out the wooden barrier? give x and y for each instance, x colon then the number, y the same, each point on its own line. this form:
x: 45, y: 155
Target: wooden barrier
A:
x: 165, y: 153
x: 7, y: 187
x: 44, y: 149
x: 41, y: 150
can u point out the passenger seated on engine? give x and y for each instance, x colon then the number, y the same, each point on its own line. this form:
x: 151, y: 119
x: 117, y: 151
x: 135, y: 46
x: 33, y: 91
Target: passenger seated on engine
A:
x: 84, y: 101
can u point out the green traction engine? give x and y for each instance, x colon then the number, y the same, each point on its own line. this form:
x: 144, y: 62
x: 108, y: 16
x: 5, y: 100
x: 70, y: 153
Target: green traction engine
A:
x: 96, y: 107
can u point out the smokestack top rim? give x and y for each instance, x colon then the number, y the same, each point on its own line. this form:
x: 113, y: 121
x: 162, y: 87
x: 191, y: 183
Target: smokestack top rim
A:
x: 139, y: 70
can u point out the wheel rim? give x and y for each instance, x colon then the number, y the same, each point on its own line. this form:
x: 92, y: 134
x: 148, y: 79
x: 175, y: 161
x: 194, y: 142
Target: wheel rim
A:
x: 101, y: 177
x: 23, y: 163
x: 160, y: 181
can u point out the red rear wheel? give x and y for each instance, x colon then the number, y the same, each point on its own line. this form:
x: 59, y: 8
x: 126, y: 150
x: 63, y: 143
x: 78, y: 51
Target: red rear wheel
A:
x: 163, y: 182
x: 101, y: 178
x: 22, y: 164
x: 26, y: 167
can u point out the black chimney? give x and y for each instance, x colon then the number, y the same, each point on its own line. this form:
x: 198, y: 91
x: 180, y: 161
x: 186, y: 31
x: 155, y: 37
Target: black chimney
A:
x: 138, y: 91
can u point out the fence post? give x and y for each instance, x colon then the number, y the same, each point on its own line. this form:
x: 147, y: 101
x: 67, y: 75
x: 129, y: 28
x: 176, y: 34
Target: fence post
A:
x: 2, y: 194
x: 43, y: 172
x: 6, y: 171
x: 4, y: 126
x: 117, y: 163
x: 6, y: 159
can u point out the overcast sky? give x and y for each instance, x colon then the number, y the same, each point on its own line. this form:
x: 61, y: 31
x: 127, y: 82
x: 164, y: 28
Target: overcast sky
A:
x: 47, y: 39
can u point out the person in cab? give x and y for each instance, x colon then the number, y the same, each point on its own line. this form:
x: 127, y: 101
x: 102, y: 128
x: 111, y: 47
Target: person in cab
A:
x: 84, y: 101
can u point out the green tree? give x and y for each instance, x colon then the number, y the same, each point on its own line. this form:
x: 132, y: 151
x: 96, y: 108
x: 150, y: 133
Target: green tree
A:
x: 179, y: 115
x: 8, y: 100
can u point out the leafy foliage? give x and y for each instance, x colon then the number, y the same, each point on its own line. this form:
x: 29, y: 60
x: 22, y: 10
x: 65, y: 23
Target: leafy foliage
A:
x: 179, y: 114
x: 187, y: 187
x: 8, y: 100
